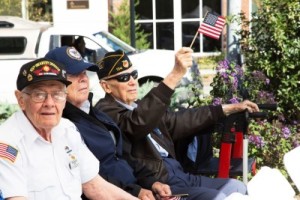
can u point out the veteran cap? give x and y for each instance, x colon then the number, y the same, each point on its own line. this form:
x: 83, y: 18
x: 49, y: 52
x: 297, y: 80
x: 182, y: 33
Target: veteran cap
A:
x: 42, y: 69
x: 113, y: 63
x: 71, y: 58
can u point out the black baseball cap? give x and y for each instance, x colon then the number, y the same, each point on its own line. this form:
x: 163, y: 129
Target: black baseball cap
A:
x: 42, y: 69
x: 113, y: 63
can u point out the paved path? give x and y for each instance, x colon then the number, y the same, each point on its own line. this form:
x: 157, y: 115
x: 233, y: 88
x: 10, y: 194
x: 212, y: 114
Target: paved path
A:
x: 205, y: 73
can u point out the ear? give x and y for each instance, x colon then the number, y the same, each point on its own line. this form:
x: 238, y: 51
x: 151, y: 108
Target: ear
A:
x: 105, y: 86
x: 20, y: 99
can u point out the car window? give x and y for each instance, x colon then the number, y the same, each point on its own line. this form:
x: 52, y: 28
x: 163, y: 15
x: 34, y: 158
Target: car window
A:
x: 114, y: 42
x: 97, y: 51
x: 12, y: 45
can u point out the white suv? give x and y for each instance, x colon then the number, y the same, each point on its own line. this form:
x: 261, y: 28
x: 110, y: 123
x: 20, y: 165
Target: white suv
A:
x: 22, y: 40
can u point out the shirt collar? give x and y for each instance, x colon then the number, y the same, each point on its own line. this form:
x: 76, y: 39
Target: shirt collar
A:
x: 27, y: 129
x: 85, y: 107
x: 129, y: 107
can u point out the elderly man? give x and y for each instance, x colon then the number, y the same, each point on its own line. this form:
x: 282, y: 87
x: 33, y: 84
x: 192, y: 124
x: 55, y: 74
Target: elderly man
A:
x: 100, y: 132
x: 42, y: 155
x: 152, y: 130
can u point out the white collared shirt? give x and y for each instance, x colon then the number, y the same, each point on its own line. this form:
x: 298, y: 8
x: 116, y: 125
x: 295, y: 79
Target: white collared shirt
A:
x: 44, y: 170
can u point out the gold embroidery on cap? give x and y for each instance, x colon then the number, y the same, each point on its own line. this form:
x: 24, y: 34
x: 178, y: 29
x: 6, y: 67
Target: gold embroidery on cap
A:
x: 29, y: 77
x: 24, y: 72
x: 125, y: 63
x: 100, y: 65
x: 46, y: 68
x: 118, y: 68
x: 115, y: 65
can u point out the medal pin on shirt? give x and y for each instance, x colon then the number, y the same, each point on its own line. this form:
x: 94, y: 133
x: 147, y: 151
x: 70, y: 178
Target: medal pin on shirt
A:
x: 73, y: 160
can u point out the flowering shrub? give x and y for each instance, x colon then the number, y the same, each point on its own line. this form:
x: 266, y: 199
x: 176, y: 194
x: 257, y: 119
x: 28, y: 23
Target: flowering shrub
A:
x: 271, y: 45
x: 269, y: 139
x: 226, y: 83
x: 6, y: 110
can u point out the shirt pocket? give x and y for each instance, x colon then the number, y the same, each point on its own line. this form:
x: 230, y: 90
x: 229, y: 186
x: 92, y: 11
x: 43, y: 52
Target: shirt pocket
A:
x: 40, y: 179
x: 73, y: 181
x: 42, y: 184
x: 75, y: 174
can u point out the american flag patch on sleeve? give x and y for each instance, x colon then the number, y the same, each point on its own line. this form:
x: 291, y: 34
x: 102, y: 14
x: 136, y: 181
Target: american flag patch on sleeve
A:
x: 8, y: 152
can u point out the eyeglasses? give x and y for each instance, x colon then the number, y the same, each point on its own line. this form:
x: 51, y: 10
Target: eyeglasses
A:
x: 125, y: 77
x: 41, y: 96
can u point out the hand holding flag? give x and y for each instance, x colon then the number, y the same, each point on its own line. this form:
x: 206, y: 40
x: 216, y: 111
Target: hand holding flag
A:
x: 175, y: 197
x: 211, y: 26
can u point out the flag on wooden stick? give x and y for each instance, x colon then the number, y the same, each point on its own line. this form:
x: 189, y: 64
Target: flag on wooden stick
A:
x: 212, y: 25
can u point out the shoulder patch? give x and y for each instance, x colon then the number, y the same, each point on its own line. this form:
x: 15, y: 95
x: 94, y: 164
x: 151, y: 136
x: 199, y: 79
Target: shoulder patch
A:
x: 8, y: 152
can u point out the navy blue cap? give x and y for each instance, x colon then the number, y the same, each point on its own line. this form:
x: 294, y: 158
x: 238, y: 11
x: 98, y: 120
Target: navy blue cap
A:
x: 71, y: 59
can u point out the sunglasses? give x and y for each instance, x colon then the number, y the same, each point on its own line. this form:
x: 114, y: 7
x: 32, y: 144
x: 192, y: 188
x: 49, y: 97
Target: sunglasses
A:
x: 125, y: 77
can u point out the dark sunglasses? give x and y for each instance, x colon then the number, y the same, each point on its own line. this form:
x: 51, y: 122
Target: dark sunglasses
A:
x: 125, y: 77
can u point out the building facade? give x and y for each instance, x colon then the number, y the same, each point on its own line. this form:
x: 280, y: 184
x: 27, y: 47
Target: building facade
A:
x: 174, y: 23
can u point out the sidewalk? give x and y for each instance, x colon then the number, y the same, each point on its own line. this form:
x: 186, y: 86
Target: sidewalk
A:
x: 207, y: 76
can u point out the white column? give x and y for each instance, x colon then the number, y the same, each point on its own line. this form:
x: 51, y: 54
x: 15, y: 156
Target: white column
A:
x: 94, y: 18
x: 234, y: 7
x: 24, y: 9
x: 154, y: 23
x: 177, y: 25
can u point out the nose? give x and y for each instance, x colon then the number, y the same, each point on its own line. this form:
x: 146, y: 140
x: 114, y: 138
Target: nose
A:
x: 49, y: 100
x: 83, y: 77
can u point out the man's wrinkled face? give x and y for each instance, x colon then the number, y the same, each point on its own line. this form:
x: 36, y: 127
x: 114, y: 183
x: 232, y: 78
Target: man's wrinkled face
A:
x: 127, y: 91
x: 78, y: 91
x: 43, y: 103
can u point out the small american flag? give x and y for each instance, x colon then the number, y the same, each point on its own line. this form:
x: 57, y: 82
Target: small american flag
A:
x: 212, y: 25
x: 172, y: 198
x: 175, y: 198
x: 8, y: 152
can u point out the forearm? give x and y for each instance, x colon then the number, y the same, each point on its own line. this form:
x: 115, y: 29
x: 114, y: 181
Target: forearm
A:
x: 228, y: 109
x: 98, y: 188
x: 173, y: 79
x: 183, y: 60
x: 239, y: 107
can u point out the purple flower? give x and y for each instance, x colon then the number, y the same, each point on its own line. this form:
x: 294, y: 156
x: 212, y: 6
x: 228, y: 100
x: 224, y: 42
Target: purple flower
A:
x: 217, y: 101
x: 265, y: 97
x: 224, y: 75
x: 240, y: 71
x: 222, y: 66
x: 296, y: 144
x: 256, y: 140
x: 286, y: 132
x: 258, y: 75
x: 234, y: 100
x: 235, y: 83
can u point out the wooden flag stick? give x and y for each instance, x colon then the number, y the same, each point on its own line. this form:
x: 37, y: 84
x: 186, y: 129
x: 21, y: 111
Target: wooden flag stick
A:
x: 197, y: 32
x: 194, y: 39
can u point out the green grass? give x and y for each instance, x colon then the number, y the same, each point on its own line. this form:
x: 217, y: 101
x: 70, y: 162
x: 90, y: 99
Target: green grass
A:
x: 209, y: 62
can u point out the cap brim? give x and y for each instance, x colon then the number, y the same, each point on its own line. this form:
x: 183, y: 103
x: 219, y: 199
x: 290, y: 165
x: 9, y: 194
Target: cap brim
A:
x: 64, y: 81
x: 80, y: 67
